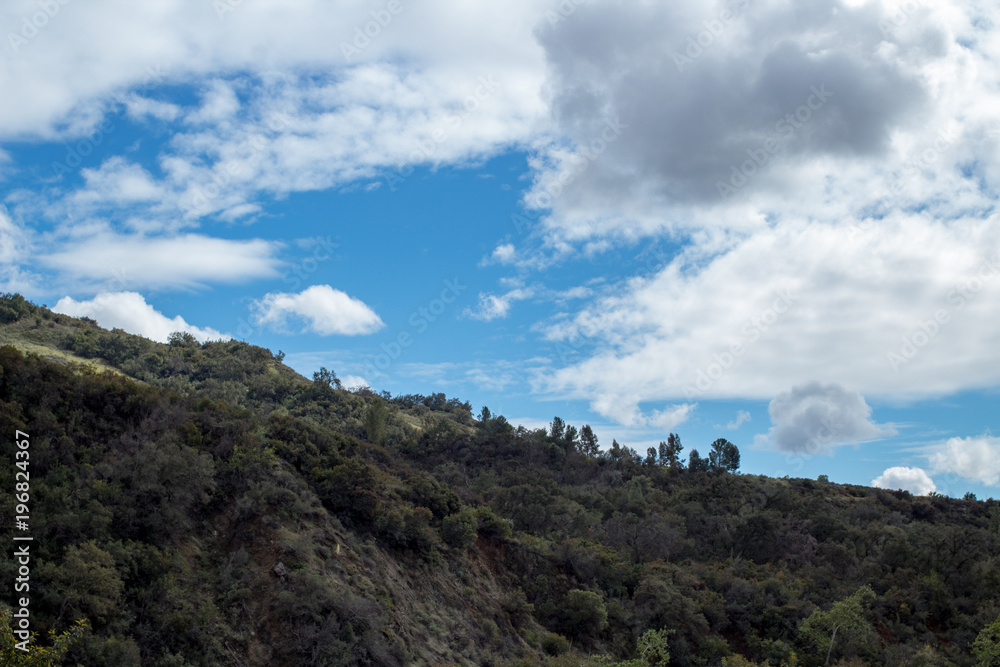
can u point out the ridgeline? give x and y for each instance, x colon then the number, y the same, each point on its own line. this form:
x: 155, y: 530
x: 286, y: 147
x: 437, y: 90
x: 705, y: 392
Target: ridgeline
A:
x: 203, y: 504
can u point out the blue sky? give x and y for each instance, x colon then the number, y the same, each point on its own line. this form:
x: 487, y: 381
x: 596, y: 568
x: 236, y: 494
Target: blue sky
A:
x: 743, y: 220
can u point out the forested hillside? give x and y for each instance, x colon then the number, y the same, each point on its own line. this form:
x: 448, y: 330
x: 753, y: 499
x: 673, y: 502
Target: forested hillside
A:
x: 203, y: 504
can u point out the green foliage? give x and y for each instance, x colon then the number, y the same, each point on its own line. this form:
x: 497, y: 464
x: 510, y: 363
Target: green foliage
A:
x: 11, y: 655
x: 588, y: 442
x: 986, y: 646
x: 86, y: 584
x: 163, y: 507
x: 696, y: 463
x: 581, y: 614
x: 13, y: 307
x: 670, y: 451
x: 554, y: 644
x: 459, y: 530
x: 375, y: 421
x: 724, y: 457
x: 844, y: 631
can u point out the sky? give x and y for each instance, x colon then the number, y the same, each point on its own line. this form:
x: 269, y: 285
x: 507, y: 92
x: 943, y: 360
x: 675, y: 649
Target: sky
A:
x: 757, y: 220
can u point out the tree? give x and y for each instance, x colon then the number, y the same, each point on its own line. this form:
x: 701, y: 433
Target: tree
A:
x: 182, y: 339
x: 375, y: 419
x: 615, y: 453
x: 588, y: 441
x: 986, y: 647
x: 670, y: 452
x: 570, y: 439
x: 724, y: 457
x: 485, y: 415
x: 459, y: 530
x: 35, y: 656
x: 696, y: 463
x: 558, y: 428
x: 582, y: 614
x: 326, y: 378
x: 844, y: 630
x: 650, y: 456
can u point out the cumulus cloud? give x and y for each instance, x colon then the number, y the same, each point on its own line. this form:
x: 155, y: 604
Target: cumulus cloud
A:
x: 814, y: 418
x: 322, y: 310
x: 725, y: 322
x: 185, y: 261
x: 130, y: 312
x: 786, y: 108
x: 976, y: 458
x: 914, y: 480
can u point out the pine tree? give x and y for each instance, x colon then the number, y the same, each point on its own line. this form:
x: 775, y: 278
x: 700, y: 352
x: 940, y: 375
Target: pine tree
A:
x: 588, y: 442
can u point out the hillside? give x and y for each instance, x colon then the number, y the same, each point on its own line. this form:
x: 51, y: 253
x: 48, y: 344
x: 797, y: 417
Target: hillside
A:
x: 203, y: 504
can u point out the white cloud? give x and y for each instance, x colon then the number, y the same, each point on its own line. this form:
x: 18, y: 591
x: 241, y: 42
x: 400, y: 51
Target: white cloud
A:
x: 324, y: 310
x: 669, y: 418
x: 814, y: 418
x: 914, y: 480
x: 139, y: 107
x: 281, y: 110
x: 185, y: 261
x: 129, y: 311
x: 117, y: 182
x: 497, y: 306
x: 742, y: 417
x: 219, y: 103
x: 724, y: 318
x: 12, y: 239
x: 265, y: 38
x: 15, y: 244
x: 502, y: 254
x: 975, y: 458
x: 354, y: 382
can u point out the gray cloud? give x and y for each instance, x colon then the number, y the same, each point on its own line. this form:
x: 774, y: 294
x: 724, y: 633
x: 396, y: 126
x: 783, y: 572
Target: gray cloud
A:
x: 812, y: 418
x: 691, y: 120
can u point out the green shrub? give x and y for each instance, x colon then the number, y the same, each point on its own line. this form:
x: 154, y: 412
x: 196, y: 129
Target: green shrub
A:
x: 459, y: 530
